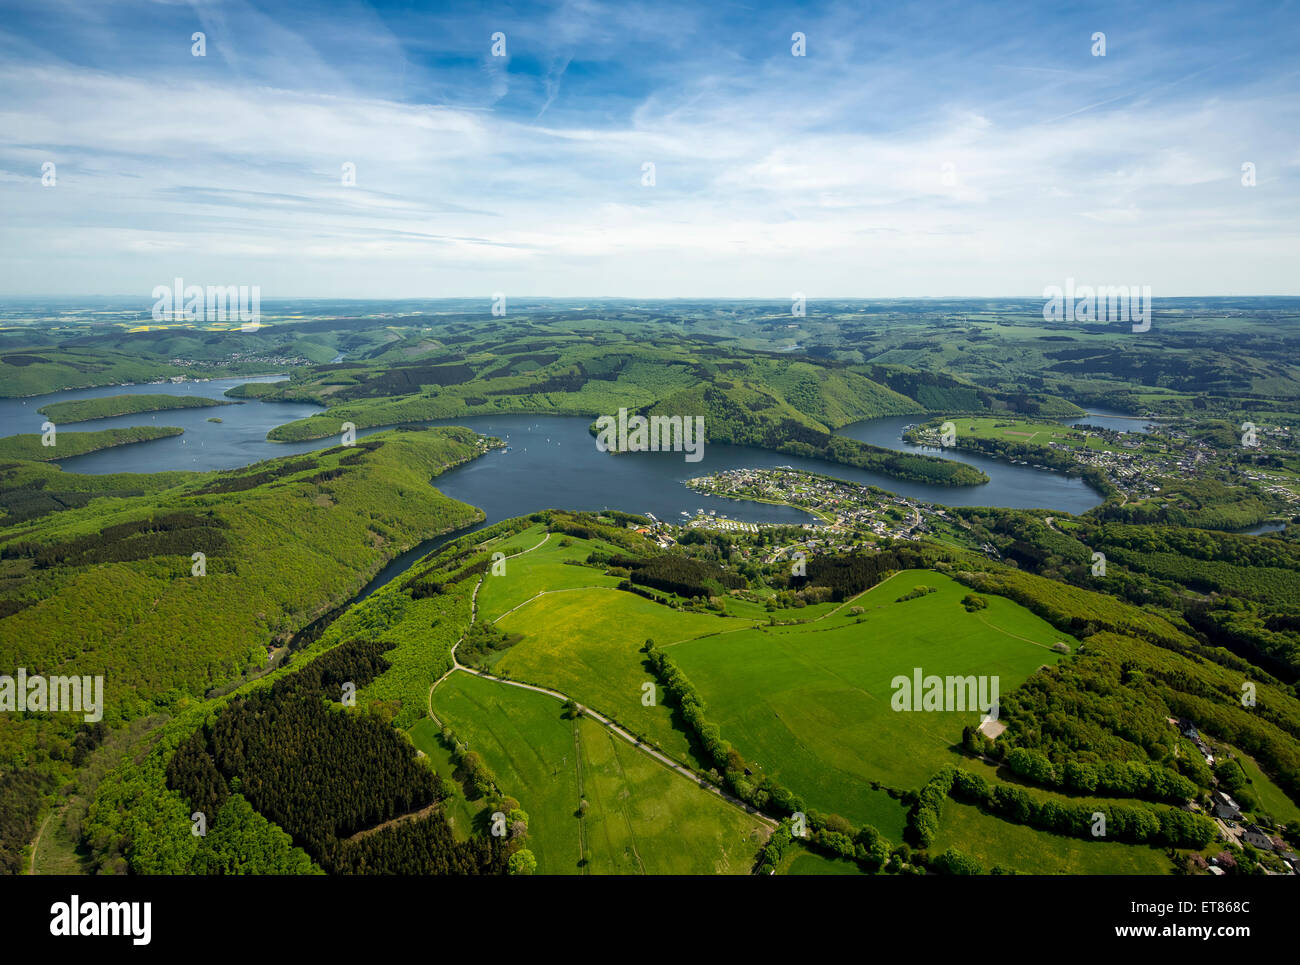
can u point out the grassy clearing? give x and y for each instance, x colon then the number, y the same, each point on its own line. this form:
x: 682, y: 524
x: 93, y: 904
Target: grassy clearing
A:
x: 1272, y: 799
x: 812, y: 703
x: 640, y: 817
x: 991, y: 841
x: 801, y: 861
x: 540, y: 569
x: 587, y: 643
x: 1029, y: 432
x: 461, y: 813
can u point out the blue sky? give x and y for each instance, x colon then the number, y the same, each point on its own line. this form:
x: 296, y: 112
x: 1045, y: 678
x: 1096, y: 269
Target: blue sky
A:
x: 919, y: 149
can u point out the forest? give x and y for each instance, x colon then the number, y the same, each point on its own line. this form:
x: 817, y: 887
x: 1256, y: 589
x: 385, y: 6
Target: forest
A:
x: 328, y: 776
x: 108, y: 583
x: 108, y: 406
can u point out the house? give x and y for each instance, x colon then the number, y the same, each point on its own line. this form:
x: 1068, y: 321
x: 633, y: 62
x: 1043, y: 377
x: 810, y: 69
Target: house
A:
x: 1256, y: 838
x: 1225, y: 807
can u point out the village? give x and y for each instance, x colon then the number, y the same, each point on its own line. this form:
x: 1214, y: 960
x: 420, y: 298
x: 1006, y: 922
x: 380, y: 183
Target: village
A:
x: 1140, y: 464
x: 849, y: 515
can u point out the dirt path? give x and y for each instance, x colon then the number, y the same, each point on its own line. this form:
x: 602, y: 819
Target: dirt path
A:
x: 31, y: 864
x: 393, y: 822
x: 1015, y: 636
x: 635, y: 741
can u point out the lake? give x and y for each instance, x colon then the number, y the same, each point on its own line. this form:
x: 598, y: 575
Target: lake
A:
x: 552, y: 460
x: 1110, y: 419
x: 239, y: 439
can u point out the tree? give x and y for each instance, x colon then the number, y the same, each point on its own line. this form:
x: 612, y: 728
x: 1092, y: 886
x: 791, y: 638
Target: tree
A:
x: 523, y: 862
x: 954, y: 862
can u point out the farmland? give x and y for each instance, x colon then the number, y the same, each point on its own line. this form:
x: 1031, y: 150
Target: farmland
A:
x: 640, y: 817
x: 993, y: 843
x: 812, y: 704
x: 586, y: 643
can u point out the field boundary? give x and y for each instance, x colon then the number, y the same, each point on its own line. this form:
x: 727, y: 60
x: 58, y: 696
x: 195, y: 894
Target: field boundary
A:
x: 653, y: 752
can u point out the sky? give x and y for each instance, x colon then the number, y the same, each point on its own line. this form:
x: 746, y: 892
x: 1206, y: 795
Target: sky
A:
x: 914, y: 149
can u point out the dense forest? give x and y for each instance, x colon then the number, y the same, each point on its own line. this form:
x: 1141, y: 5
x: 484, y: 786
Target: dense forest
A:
x: 849, y: 575
x: 106, y: 580
x: 1227, y: 590
x: 325, y: 774
x: 65, y: 445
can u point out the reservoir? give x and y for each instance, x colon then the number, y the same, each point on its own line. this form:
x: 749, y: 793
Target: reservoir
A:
x: 552, y: 461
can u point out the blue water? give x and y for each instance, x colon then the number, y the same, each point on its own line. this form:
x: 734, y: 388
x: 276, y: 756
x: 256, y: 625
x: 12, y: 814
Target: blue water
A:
x: 1110, y: 419
x: 552, y: 461
x: 239, y: 439
x: 1012, y: 487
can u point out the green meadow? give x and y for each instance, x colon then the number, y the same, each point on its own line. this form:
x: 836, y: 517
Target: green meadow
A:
x: 801, y: 861
x: 811, y: 704
x: 1272, y: 799
x: 1029, y: 432
x: 587, y: 643
x: 462, y: 814
x: 1015, y: 847
x: 537, y: 570
x: 640, y: 817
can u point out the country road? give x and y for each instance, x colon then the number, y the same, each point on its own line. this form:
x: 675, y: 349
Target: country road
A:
x: 635, y: 741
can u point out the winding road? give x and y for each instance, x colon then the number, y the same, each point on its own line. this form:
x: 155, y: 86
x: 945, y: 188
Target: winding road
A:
x: 614, y: 728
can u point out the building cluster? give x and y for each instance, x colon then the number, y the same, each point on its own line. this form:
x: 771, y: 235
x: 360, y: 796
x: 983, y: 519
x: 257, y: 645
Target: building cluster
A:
x: 1233, y: 824
x: 847, y: 510
x: 242, y: 358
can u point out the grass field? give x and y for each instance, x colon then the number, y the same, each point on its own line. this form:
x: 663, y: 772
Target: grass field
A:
x: 1029, y: 432
x: 1272, y: 799
x: 461, y: 813
x: 543, y: 568
x: 641, y: 818
x: 991, y: 841
x: 57, y: 852
x: 801, y: 861
x: 811, y: 703
x: 587, y: 642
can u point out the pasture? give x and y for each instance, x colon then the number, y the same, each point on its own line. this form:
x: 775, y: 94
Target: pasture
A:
x: 992, y: 841
x: 640, y: 817
x: 587, y: 643
x: 536, y: 570
x: 811, y: 704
